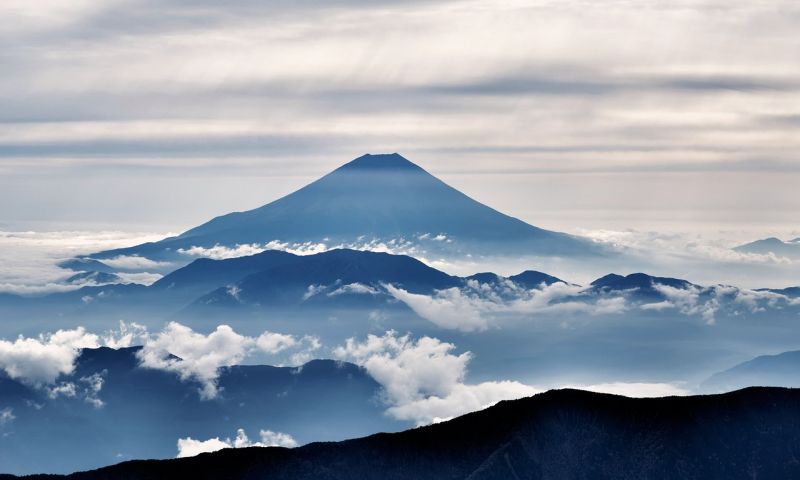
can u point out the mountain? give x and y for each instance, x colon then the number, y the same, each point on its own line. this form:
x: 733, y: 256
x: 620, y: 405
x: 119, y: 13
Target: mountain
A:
x: 85, y: 265
x: 111, y: 408
x: 335, y: 274
x: 772, y: 245
x: 767, y: 370
x: 791, y: 292
x: 269, y: 280
x: 640, y: 285
x: 532, y: 279
x: 751, y: 433
x: 93, y: 277
x: 383, y: 197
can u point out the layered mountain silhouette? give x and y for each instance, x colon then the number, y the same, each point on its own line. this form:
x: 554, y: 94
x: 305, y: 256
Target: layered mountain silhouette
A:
x: 117, y: 409
x: 752, y: 433
x: 782, y: 369
x: 354, y: 279
x: 383, y: 197
x: 276, y: 279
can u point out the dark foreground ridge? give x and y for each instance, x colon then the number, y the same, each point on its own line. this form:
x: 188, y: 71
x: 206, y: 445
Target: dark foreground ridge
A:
x: 751, y: 433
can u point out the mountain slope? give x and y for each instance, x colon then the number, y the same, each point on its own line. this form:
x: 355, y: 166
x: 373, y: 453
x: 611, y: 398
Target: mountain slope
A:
x: 752, y: 433
x: 336, y: 273
x: 372, y: 197
x: 137, y: 412
x: 766, y: 370
x: 772, y: 245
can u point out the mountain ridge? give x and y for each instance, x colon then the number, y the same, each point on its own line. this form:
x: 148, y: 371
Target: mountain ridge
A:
x: 557, y: 434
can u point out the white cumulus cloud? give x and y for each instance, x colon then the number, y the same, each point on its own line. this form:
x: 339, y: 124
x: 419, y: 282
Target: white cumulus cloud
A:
x: 423, y: 380
x: 189, y: 447
x: 41, y: 360
x: 198, y: 357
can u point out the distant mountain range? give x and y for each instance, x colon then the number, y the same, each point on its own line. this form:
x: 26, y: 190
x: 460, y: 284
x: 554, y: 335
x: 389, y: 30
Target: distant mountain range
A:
x: 277, y: 279
x: 111, y: 408
x: 782, y: 370
x: 374, y: 197
x: 752, y: 433
x: 775, y: 246
x: 354, y: 279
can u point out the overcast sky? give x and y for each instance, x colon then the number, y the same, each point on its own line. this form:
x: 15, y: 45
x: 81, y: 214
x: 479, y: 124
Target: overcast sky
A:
x: 569, y: 114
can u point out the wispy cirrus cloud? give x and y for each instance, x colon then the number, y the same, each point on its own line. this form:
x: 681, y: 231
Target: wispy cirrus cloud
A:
x: 576, y: 91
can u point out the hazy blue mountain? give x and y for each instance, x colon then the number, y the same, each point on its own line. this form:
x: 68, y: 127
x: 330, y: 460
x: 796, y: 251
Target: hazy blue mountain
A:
x: 792, y: 292
x: 97, y: 278
x: 751, y: 433
x: 640, y: 285
x: 772, y: 245
x: 145, y: 411
x: 485, y: 277
x: 533, y: 279
x: 85, y: 265
x: 373, y: 196
x: 349, y: 277
x: 767, y: 370
x: 341, y: 278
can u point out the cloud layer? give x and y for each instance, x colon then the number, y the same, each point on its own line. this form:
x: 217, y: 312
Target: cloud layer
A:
x: 615, y: 100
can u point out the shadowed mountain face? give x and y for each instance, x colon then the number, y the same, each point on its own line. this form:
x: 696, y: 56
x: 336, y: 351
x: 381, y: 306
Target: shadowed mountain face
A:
x: 752, y: 433
x: 373, y: 197
x: 117, y: 409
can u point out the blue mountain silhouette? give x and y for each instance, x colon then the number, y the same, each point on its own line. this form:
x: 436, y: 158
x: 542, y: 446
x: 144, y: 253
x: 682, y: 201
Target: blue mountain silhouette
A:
x: 372, y: 197
x: 145, y: 411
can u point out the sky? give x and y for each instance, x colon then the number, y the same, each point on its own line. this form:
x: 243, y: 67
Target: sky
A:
x: 658, y: 125
x: 154, y: 115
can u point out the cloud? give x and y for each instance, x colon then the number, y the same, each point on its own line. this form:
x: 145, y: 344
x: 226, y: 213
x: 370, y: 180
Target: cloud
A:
x: 189, y: 447
x: 30, y: 258
x: 707, y: 302
x: 423, y: 380
x: 39, y: 361
x: 134, y: 262
x: 198, y: 357
x: 93, y: 385
x: 688, y: 301
x: 627, y: 90
x: 461, y: 399
x: 221, y: 252
x: 276, y: 439
x: 6, y: 416
x: 275, y: 342
x: 125, y: 335
x: 142, y: 278
x: 477, y: 306
x: 638, y: 390
x: 353, y: 289
x: 398, y: 246
x: 64, y: 389
x: 448, y: 308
